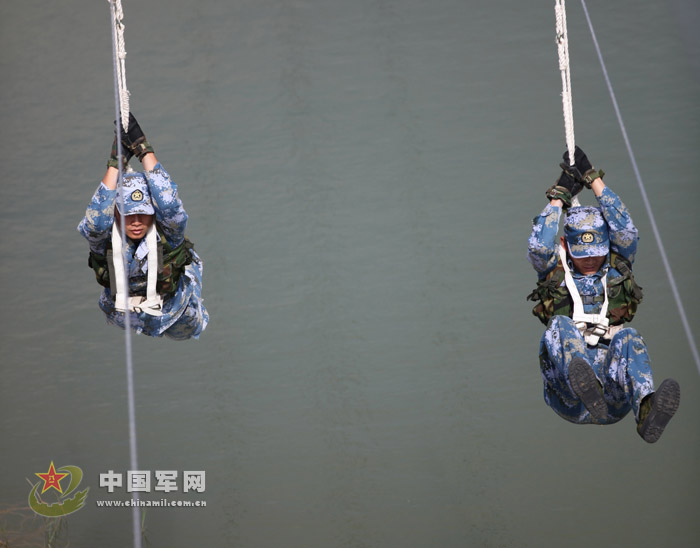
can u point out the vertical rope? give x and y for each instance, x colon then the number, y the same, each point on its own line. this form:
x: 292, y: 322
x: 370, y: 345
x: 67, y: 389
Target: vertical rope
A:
x: 120, y: 61
x: 564, y: 69
x: 118, y: 65
x: 647, y: 204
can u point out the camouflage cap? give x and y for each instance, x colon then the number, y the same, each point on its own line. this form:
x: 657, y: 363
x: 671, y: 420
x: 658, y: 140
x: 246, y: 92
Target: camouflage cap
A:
x: 586, y: 232
x: 137, y: 198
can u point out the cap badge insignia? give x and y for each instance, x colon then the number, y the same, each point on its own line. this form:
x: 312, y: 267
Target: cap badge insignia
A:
x: 587, y: 238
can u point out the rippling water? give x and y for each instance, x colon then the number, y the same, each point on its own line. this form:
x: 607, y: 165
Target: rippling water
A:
x: 360, y: 178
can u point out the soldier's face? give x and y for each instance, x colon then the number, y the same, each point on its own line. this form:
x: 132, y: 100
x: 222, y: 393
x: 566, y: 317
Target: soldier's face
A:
x: 586, y: 265
x: 136, y: 225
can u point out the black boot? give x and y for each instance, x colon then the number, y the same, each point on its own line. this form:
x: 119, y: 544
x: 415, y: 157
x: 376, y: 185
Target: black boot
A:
x: 586, y: 386
x: 657, y: 409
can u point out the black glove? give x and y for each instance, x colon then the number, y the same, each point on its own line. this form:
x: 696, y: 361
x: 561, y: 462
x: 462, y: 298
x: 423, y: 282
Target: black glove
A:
x: 565, y: 188
x: 569, y: 181
x: 114, y: 156
x: 582, y: 170
x: 134, y: 139
x: 581, y: 161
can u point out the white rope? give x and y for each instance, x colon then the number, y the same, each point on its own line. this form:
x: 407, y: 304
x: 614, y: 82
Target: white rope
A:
x: 121, y: 104
x: 565, y: 70
x: 567, y: 102
x: 647, y: 204
x: 120, y: 61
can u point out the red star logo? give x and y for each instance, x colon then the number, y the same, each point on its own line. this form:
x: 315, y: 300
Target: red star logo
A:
x: 52, y: 479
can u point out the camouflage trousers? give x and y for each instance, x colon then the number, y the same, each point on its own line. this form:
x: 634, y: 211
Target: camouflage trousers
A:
x: 195, y: 317
x: 622, y: 367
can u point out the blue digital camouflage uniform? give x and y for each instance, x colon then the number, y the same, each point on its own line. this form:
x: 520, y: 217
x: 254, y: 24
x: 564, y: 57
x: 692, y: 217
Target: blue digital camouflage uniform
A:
x: 184, y: 315
x: 621, y: 364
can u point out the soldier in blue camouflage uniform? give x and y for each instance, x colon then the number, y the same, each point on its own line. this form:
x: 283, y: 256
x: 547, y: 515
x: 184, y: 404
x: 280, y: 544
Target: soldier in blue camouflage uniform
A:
x: 595, y: 370
x: 150, y: 198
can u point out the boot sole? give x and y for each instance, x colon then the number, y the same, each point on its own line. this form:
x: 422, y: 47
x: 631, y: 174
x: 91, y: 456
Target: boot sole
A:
x: 666, y: 401
x: 586, y: 386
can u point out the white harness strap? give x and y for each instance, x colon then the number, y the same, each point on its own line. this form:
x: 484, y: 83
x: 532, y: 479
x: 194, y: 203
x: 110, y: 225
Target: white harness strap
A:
x: 591, y: 326
x: 152, y: 304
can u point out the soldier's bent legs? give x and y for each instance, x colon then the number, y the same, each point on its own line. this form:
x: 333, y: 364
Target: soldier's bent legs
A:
x: 623, y: 370
x: 627, y: 372
x: 561, y: 343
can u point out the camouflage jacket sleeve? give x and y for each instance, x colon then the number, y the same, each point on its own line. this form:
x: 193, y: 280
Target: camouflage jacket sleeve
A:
x: 170, y: 214
x: 542, y: 245
x: 99, y: 217
x: 623, y: 233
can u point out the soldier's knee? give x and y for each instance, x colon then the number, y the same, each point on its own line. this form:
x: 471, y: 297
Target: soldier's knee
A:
x: 560, y: 322
x: 627, y: 334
